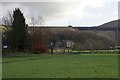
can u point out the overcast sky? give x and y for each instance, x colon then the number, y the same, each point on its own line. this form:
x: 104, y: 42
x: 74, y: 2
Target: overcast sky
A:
x: 65, y: 12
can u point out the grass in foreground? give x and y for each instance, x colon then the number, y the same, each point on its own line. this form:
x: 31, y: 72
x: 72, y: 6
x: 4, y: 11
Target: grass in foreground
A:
x: 61, y: 66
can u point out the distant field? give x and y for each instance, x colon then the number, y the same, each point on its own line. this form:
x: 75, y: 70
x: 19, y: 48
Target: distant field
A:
x: 61, y: 66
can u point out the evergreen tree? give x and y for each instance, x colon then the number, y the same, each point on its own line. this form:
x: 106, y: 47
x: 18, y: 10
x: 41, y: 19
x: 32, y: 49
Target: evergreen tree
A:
x: 17, y: 34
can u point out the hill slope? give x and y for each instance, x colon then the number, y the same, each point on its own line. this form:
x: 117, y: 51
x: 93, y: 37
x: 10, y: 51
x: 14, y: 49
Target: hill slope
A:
x: 113, y: 25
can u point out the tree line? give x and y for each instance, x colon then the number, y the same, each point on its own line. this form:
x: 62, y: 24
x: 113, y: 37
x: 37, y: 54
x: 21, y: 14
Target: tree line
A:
x: 20, y: 37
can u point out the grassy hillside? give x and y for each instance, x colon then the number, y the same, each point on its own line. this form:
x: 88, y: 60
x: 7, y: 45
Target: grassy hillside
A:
x: 112, y: 25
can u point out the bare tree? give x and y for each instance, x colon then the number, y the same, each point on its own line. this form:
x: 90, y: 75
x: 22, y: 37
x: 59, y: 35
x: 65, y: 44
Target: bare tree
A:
x: 33, y: 21
x: 7, y: 20
x: 40, y: 20
x: 37, y: 20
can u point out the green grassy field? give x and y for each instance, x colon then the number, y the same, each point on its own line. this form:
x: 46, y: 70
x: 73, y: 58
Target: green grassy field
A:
x: 61, y: 66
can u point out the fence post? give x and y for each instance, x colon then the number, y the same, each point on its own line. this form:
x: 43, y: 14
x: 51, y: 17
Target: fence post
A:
x: 51, y: 47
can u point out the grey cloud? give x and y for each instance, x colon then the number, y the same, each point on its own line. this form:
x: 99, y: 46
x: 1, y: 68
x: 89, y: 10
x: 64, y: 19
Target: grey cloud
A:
x: 107, y: 8
x: 47, y: 9
x: 55, y: 12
